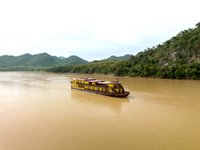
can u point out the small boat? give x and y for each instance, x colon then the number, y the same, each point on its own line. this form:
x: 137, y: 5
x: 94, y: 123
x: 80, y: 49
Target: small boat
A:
x: 108, y: 88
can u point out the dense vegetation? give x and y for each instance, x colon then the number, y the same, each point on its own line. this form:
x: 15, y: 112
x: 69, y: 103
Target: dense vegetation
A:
x: 177, y: 58
x: 35, y: 62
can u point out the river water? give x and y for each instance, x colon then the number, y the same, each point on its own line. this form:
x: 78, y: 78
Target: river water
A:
x: 39, y: 111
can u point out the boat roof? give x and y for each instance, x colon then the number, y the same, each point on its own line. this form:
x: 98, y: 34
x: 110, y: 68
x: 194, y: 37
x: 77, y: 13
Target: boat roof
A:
x: 109, y: 82
x: 82, y: 78
x: 96, y: 81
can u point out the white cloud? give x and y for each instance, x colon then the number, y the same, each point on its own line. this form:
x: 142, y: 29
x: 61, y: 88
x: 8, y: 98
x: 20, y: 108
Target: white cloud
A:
x: 62, y: 27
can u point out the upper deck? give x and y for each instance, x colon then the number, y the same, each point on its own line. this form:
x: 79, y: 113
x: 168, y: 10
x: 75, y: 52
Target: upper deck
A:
x: 93, y: 81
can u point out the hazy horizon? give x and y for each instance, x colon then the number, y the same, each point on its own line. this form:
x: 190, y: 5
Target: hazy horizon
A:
x: 64, y: 56
x: 89, y: 29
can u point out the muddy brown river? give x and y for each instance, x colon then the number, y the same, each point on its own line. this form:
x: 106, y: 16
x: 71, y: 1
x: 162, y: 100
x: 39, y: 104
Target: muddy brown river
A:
x: 39, y: 111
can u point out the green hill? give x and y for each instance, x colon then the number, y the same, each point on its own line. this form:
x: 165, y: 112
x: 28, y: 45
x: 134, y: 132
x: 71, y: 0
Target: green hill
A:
x: 115, y: 58
x: 177, y: 58
x: 6, y: 59
x: 31, y: 62
x: 73, y: 60
x: 23, y: 59
x: 43, y: 60
x: 2, y: 64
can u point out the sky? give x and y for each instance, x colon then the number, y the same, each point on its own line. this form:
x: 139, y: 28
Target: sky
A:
x: 91, y: 29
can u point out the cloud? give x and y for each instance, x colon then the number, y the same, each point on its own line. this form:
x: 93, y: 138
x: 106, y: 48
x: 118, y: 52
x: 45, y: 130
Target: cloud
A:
x: 91, y: 28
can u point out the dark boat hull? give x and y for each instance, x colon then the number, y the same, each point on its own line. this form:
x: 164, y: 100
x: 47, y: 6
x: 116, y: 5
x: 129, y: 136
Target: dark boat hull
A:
x: 124, y: 94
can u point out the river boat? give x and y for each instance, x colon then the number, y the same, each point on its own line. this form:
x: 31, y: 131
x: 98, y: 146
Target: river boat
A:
x: 108, y: 88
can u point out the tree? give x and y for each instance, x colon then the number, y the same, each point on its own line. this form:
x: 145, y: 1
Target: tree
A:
x: 198, y: 25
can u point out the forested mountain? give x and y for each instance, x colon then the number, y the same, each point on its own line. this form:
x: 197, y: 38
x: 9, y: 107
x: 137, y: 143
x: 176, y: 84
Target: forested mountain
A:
x: 29, y: 62
x: 178, y: 57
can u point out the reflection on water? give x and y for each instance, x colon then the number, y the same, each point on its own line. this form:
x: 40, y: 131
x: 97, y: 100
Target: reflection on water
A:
x: 39, y: 111
x: 98, y: 100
